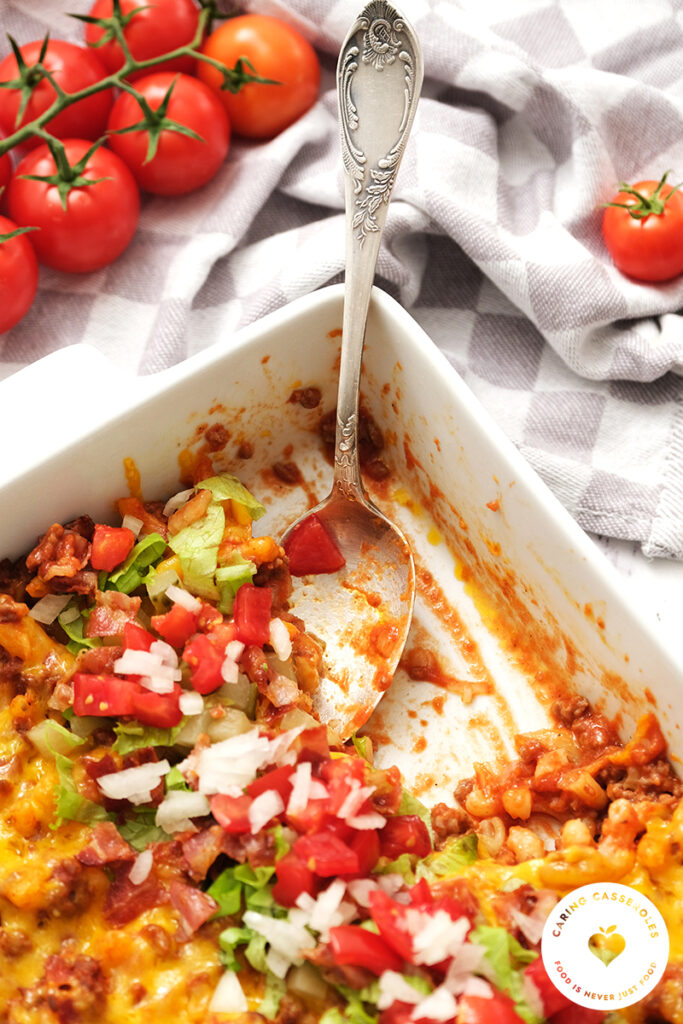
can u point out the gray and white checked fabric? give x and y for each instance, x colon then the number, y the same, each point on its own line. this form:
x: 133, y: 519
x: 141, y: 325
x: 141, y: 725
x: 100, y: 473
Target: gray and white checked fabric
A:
x: 532, y: 112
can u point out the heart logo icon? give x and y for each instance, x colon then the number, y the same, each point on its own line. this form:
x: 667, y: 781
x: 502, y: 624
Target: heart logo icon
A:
x: 607, y: 944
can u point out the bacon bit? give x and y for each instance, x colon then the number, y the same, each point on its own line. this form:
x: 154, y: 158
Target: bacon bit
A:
x: 11, y: 610
x: 216, y: 437
x: 59, y: 552
x: 190, y: 512
x: 126, y: 901
x: 112, y: 611
x: 106, y: 846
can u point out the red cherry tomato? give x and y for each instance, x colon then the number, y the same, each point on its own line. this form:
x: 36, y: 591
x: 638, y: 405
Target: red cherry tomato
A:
x: 206, y: 661
x: 310, y: 549
x: 405, y: 833
x: 159, y: 709
x: 18, y: 275
x: 102, y: 695
x: 73, y: 68
x: 99, y: 220
x: 326, y: 854
x: 643, y: 230
x: 6, y: 169
x: 176, y: 626
x: 135, y: 638
x: 111, y: 545
x: 180, y: 163
x: 277, y: 52
x: 158, y: 27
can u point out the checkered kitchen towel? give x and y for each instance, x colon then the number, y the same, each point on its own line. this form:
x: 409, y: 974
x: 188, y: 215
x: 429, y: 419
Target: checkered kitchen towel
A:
x: 531, y: 113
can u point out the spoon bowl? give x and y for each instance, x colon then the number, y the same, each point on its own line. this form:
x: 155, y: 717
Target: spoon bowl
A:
x: 361, y: 613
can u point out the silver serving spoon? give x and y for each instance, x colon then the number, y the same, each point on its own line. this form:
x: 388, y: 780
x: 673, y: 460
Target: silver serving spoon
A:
x: 362, y: 612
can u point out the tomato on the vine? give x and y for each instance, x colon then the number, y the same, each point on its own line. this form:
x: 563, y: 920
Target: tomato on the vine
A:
x: 158, y: 27
x: 643, y: 230
x: 73, y: 68
x: 180, y: 163
x: 18, y: 275
x: 96, y: 221
x: 277, y: 52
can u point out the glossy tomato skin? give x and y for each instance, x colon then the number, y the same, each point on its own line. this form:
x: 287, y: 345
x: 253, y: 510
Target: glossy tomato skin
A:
x: 646, y: 248
x: 18, y: 275
x: 99, y: 220
x: 161, y: 26
x: 277, y: 51
x: 73, y: 67
x: 181, y: 163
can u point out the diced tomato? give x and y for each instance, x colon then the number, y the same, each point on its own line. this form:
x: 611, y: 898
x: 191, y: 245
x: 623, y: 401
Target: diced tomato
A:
x: 402, y: 1013
x: 405, y: 833
x: 135, y: 638
x: 551, y: 997
x: 232, y: 812
x: 326, y: 854
x: 392, y: 918
x: 351, y: 944
x: 279, y: 779
x: 222, y: 633
x: 159, y: 709
x: 210, y: 619
x: 311, y: 818
x: 206, y: 661
x: 251, y: 613
x: 111, y: 545
x: 312, y: 745
x: 102, y: 695
x: 293, y: 878
x: 420, y: 894
x: 310, y: 549
x: 340, y: 775
x: 366, y: 846
x: 177, y: 625
x: 499, y: 1009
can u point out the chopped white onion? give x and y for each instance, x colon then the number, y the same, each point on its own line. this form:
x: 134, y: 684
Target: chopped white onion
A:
x: 436, y: 936
x: 229, y: 766
x: 191, y: 703
x: 184, y: 598
x: 234, y: 649
x: 157, y: 684
x: 228, y: 996
x: 132, y: 523
x: 164, y: 651
x: 280, y: 640
x: 328, y: 910
x: 48, y: 608
x: 178, y: 807
x: 141, y: 868
x: 301, y: 785
x: 366, y: 821
x: 438, y: 1005
x: 145, y: 663
x: 264, y: 808
x: 355, y: 799
x: 359, y: 889
x: 282, y: 690
x: 134, y: 784
x: 286, y: 937
x: 177, y: 500
x: 393, y: 988
x: 230, y: 671
x: 70, y: 615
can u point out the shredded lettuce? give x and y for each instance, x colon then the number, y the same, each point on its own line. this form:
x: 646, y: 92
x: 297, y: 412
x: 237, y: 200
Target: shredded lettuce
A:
x: 197, y: 548
x: 140, y: 829
x: 456, y: 854
x: 361, y: 1006
x: 134, y: 736
x: 506, y: 959
x: 403, y: 865
x: 229, y: 579
x: 411, y: 805
x: 363, y: 747
x: 270, y: 1004
x: 72, y: 805
x: 255, y: 951
x: 227, y: 486
x: 74, y: 631
x: 133, y: 571
x: 243, y: 883
x: 175, y: 778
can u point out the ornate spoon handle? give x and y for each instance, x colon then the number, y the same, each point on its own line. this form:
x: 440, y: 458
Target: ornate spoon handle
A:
x: 379, y: 76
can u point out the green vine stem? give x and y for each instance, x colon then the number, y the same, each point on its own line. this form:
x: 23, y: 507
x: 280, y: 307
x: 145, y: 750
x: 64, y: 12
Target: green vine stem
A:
x: 233, y: 78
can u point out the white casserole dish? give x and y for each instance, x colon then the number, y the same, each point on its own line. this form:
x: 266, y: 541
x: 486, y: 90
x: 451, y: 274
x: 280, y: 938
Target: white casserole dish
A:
x: 490, y: 539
